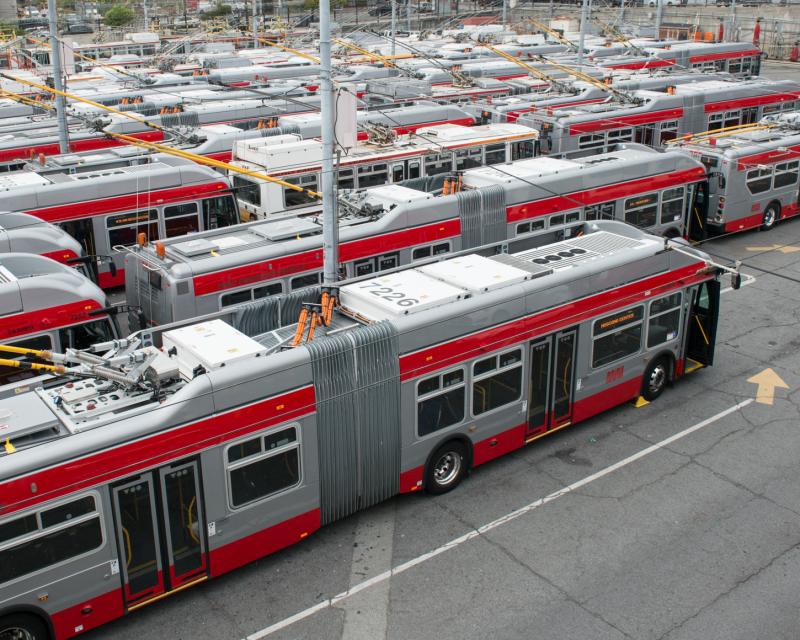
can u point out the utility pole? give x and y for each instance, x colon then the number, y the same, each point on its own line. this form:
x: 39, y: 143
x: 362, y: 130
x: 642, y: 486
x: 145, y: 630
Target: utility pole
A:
x: 393, y: 28
x: 505, y: 13
x: 330, y: 231
x: 146, y: 16
x: 58, y: 78
x: 255, y: 24
x: 582, y: 34
x: 732, y: 28
x: 659, y: 10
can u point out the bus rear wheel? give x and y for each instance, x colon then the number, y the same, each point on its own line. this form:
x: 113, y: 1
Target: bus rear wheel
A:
x: 771, y: 215
x: 655, y: 378
x: 21, y: 626
x: 446, y: 468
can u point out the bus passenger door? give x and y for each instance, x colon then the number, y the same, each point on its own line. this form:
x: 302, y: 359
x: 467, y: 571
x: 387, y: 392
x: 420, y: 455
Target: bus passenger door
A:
x: 161, y: 532
x: 697, y: 213
x: 551, y: 383
x: 702, y: 330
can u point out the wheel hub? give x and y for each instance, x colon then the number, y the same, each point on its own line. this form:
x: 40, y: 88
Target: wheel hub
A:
x: 446, y: 468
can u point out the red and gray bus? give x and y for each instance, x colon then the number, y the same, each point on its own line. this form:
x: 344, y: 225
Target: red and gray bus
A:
x: 109, y: 208
x: 515, y: 205
x: 178, y: 459
x: 47, y: 305
x: 655, y: 117
x: 754, y: 176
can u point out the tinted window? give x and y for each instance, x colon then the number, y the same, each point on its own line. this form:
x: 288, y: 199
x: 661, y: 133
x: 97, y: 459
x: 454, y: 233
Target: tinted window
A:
x: 441, y: 401
x: 305, y: 281
x: 50, y: 549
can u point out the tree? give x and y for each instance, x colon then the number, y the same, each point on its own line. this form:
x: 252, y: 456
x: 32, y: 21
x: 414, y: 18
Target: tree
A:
x: 119, y: 16
x: 218, y: 11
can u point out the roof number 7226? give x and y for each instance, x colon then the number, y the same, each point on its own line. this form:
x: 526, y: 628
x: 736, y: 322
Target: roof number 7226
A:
x: 387, y: 293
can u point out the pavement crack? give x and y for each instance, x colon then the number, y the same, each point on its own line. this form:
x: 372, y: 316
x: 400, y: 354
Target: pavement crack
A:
x: 570, y: 598
x: 727, y: 592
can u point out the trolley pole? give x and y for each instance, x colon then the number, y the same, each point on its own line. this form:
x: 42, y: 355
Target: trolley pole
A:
x: 255, y: 25
x: 582, y: 33
x: 58, y: 78
x: 393, y: 28
x: 659, y: 10
x: 330, y: 250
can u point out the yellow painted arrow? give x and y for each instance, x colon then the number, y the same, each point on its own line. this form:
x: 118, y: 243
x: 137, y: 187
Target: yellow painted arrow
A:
x: 776, y: 247
x: 767, y: 382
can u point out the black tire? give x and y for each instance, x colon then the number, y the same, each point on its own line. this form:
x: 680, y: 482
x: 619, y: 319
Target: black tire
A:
x: 23, y: 626
x: 655, y: 378
x: 771, y: 215
x: 446, y: 468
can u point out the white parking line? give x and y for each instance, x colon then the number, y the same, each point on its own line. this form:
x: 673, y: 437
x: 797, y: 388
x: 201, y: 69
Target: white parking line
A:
x: 401, y: 568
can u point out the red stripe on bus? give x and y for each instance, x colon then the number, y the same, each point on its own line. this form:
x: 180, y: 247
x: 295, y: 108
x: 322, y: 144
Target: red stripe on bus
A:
x: 62, y: 255
x: 546, y: 206
x: 498, y: 445
x: 411, y: 479
x: 105, y: 280
x: 28, y: 322
x: 152, y: 450
x: 644, y: 64
x: 617, y: 122
x: 768, y: 157
x: 80, y: 144
x: 706, y: 57
x: 753, y: 101
x: 606, y: 399
x: 454, y: 352
x: 132, y: 201
x: 742, y: 224
x: 308, y: 260
x: 73, y: 620
x: 269, y: 540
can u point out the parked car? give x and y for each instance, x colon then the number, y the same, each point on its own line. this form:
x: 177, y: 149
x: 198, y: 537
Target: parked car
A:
x: 79, y: 28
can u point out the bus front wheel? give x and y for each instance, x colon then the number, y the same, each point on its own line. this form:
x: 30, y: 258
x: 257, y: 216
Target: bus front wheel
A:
x: 655, y: 378
x: 771, y: 215
x: 22, y: 626
x: 446, y: 468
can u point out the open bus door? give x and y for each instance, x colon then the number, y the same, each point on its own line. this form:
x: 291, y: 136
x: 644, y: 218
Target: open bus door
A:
x: 697, y: 213
x: 701, y: 331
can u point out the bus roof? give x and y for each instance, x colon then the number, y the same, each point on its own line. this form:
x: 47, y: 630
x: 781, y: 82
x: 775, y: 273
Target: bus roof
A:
x: 29, y: 283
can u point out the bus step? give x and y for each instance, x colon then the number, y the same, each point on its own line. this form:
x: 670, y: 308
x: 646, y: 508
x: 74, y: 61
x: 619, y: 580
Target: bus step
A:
x: 692, y: 365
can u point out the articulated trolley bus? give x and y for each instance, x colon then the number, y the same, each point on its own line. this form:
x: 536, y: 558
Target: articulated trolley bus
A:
x: 107, y: 208
x: 176, y: 462
x: 753, y: 176
x: 48, y: 305
x: 519, y: 204
x: 654, y: 118
x: 430, y: 151
x: 740, y: 59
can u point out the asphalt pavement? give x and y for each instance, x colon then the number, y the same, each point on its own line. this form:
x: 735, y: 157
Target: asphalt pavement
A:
x: 677, y: 520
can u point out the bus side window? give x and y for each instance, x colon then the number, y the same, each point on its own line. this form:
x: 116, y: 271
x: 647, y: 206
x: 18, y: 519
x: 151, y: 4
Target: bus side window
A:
x: 219, y: 212
x: 82, y: 336
x: 305, y: 281
x: 642, y: 211
x: 413, y: 170
x: 124, y: 228
x: 785, y: 174
x: 181, y: 219
x: 9, y: 375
